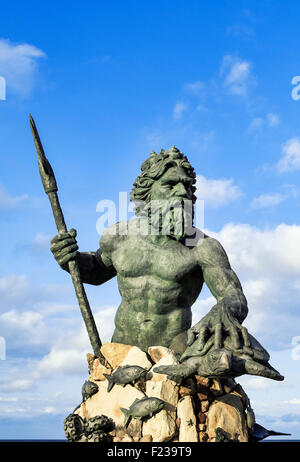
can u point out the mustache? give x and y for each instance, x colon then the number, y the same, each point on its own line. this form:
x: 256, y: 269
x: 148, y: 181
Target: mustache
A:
x: 173, y: 217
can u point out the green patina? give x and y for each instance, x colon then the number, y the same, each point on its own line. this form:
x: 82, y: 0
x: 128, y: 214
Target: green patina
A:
x: 160, y: 275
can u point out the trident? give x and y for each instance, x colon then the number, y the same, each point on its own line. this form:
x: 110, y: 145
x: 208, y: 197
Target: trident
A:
x: 51, y: 189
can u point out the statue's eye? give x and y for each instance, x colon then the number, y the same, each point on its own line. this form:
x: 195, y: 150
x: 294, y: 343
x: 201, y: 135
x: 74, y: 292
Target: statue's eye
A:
x: 187, y: 183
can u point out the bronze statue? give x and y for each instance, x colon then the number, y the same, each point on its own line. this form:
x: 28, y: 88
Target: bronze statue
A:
x: 160, y: 275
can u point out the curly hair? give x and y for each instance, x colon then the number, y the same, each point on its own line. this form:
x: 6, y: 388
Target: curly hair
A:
x: 153, y: 168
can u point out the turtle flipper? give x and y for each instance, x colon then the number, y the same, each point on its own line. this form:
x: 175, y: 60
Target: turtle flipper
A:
x: 176, y: 371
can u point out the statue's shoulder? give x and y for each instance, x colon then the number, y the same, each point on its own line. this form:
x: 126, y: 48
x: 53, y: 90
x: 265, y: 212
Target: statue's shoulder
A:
x: 112, y: 236
x: 210, y: 252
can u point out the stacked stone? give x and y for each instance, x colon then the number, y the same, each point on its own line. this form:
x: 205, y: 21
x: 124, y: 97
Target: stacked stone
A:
x: 196, y: 407
x: 216, y: 404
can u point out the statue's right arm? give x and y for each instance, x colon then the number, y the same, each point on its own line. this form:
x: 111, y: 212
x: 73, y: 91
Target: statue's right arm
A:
x: 95, y: 267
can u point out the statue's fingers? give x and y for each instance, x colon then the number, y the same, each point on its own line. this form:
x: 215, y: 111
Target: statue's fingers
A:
x: 218, y: 335
x: 190, y: 337
x: 234, y: 336
x: 55, y: 239
x: 61, y: 236
x: 195, y: 329
x: 61, y: 244
x: 246, y: 348
x: 244, y: 351
x: 245, y: 335
x: 231, y: 320
x: 68, y: 250
x: 248, y: 351
x: 70, y: 256
x: 207, y: 347
x: 202, y: 337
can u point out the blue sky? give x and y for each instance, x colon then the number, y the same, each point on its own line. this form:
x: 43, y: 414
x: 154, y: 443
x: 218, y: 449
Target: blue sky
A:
x: 107, y: 82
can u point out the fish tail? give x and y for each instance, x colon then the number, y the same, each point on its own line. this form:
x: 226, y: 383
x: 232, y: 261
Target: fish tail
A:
x: 110, y: 381
x: 127, y: 416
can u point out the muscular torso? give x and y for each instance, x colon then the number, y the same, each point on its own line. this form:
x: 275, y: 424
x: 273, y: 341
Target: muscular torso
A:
x: 158, y: 285
x: 159, y: 279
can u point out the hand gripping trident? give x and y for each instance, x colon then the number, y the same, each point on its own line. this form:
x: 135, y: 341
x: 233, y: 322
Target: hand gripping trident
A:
x: 51, y: 189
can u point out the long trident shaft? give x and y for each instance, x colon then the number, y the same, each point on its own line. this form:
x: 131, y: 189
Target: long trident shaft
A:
x: 51, y: 189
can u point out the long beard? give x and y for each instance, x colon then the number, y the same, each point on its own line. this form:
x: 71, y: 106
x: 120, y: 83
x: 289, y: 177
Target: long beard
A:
x: 170, y: 218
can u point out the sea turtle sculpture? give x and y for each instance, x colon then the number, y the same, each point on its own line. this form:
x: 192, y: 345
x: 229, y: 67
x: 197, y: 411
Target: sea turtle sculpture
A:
x: 226, y: 362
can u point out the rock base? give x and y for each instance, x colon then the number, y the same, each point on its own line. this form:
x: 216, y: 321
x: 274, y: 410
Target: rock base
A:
x: 197, y: 409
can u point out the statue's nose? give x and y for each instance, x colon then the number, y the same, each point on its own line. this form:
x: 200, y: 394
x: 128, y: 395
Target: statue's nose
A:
x: 180, y: 190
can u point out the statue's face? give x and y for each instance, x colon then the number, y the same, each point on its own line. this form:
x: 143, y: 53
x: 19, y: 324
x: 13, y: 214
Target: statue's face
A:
x: 174, y: 183
x: 171, y: 202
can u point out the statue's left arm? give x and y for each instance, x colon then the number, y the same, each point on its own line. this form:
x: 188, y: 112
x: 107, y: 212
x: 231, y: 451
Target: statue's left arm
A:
x: 220, y: 278
x: 231, y: 307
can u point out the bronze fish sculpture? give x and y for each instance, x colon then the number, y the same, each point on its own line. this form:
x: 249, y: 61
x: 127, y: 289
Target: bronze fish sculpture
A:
x: 124, y: 375
x: 141, y: 408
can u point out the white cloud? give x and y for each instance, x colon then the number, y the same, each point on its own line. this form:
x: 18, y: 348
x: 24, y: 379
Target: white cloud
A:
x: 13, y: 287
x: 291, y: 156
x: 237, y: 75
x: 7, y: 202
x: 18, y: 65
x: 256, y: 124
x: 293, y: 401
x: 31, y: 318
x: 257, y: 383
x: 39, y: 245
x: 273, y: 119
x: 195, y: 88
x: 201, y: 307
x: 37, y: 319
x: 267, y: 262
x: 241, y: 31
x: 260, y: 252
x: 216, y: 192
x: 179, y: 108
x: 20, y: 385
x: 41, y: 383
x: 68, y: 343
x: 272, y: 199
x: 65, y: 360
x: 8, y: 399
x: 17, y: 293
x: 41, y: 240
x: 267, y: 200
x: 26, y: 320
x: 201, y: 108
